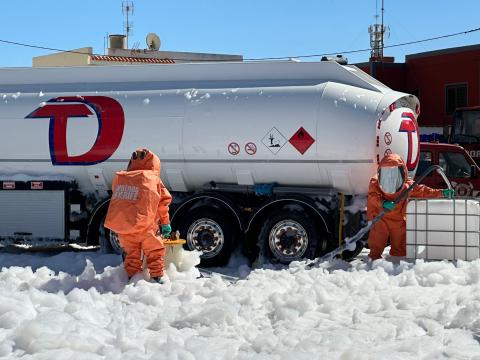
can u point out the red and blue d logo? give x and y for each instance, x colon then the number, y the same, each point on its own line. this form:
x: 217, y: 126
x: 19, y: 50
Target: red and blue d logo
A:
x: 409, y: 125
x: 111, y: 121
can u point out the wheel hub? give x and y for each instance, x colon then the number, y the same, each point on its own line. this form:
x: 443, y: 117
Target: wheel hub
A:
x: 288, y: 238
x: 207, y: 236
x: 288, y: 241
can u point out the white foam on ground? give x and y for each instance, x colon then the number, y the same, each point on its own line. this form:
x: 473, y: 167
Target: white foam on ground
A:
x: 81, y: 306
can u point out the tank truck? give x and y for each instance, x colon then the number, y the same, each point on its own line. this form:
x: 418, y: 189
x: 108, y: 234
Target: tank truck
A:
x: 274, y: 156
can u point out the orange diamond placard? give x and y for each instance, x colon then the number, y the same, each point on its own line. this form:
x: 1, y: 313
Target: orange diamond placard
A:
x: 301, y: 140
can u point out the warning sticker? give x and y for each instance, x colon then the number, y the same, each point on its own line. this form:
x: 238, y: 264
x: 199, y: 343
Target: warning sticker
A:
x: 9, y: 185
x: 301, y: 140
x: 387, y: 138
x: 250, y: 148
x: 274, y: 140
x: 36, y: 185
x: 233, y: 148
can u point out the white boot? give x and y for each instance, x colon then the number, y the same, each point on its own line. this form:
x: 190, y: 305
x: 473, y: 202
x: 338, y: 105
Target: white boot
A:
x: 395, y: 259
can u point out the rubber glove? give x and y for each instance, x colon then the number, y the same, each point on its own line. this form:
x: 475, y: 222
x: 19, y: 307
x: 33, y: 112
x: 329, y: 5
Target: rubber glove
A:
x: 448, y: 193
x: 166, y: 230
x: 388, y: 205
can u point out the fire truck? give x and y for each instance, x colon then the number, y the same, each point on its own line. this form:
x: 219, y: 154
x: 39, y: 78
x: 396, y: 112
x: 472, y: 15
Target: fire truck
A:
x: 457, y: 164
x: 466, y: 130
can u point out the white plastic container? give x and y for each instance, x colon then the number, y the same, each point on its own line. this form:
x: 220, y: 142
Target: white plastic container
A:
x: 440, y: 229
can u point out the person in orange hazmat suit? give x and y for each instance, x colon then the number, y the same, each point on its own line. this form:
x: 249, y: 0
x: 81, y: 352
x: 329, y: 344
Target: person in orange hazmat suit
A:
x: 139, y: 204
x: 391, y: 179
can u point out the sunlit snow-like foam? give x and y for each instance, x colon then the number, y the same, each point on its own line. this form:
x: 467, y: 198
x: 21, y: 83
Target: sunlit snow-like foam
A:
x: 338, y: 310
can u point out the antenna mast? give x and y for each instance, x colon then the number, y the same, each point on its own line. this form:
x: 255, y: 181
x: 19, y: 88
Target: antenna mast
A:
x: 377, y: 35
x: 127, y: 10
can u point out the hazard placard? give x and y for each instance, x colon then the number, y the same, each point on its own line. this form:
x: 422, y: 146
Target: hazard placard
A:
x: 301, y: 140
x: 274, y: 140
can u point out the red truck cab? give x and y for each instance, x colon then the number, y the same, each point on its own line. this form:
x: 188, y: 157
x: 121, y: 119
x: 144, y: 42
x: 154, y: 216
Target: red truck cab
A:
x: 458, y: 165
x: 465, y: 130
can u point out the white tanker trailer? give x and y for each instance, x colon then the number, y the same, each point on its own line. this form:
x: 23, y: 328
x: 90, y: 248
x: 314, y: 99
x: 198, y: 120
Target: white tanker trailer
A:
x: 254, y: 153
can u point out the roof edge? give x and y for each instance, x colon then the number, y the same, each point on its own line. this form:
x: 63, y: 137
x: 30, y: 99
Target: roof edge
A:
x: 443, y: 51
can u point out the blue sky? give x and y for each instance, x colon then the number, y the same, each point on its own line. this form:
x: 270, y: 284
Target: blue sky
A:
x: 252, y: 28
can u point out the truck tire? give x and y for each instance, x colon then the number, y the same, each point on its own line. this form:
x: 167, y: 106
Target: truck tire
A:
x: 290, y: 236
x: 209, y: 231
x: 108, y: 240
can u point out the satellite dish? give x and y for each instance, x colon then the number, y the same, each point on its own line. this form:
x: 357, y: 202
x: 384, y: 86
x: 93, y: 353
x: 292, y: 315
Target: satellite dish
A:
x: 153, y: 41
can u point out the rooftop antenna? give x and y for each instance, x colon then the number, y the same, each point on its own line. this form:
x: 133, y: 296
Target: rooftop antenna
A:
x: 127, y: 10
x: 377, y: 35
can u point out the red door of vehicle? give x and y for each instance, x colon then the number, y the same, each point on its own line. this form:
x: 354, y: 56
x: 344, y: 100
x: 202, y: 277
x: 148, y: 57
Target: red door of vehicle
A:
x: 456, y: 164
x: 459, y: 171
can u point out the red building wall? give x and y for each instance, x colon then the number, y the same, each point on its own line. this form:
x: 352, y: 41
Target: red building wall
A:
x: 426, y: 75
x: 391, y: 74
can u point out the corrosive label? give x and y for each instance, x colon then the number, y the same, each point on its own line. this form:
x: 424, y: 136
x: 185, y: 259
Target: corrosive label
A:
x: 250, y: 148
x: 233, y: 148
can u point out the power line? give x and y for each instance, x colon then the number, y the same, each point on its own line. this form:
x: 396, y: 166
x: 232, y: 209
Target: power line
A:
x: 265, y: 58
x: 364, y: 50
x: 43, y: 47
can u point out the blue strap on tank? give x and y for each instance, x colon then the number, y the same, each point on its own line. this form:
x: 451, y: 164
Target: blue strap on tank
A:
x: 264, y: 189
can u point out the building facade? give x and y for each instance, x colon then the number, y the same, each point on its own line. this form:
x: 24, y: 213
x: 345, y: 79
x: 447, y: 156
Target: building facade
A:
x: 443, y: 80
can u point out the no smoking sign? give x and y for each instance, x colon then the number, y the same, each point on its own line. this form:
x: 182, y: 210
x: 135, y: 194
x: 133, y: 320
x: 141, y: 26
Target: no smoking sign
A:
x: 250, y: 148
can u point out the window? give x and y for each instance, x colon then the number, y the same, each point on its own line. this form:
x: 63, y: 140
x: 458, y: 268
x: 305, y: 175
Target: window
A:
x: 424, y: 162
x: 467, y: 126
x: 454, y: 165
x: 455, y: 97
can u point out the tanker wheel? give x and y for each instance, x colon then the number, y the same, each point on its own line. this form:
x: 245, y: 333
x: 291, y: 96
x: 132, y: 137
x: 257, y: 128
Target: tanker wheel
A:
x: 108, y: 240
x: 291, y: 236
x: 209, y: 231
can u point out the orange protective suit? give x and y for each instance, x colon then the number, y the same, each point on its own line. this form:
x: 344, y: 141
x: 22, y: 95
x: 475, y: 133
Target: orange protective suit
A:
x: 139, y: 203
x: 393, y: 224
